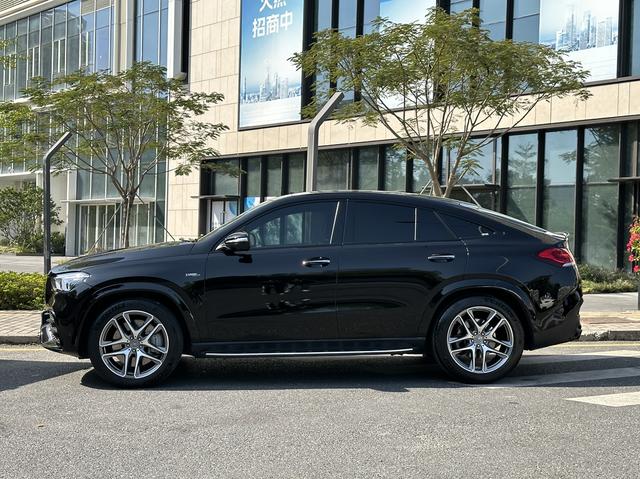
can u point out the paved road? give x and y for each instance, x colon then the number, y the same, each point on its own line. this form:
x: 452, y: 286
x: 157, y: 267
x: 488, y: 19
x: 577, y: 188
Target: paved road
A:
x: 27, y: 264
x: 353, y: 418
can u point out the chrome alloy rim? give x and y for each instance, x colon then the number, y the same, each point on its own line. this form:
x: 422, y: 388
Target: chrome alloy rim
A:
x: 480, y: 340
x: 134, y: 344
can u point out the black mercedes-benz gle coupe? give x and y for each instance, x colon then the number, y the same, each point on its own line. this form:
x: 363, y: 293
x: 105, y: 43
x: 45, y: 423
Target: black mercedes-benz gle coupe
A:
x: 317, y: 274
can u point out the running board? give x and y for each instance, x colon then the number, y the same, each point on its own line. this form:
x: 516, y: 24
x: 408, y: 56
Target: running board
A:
x: 311, y: 353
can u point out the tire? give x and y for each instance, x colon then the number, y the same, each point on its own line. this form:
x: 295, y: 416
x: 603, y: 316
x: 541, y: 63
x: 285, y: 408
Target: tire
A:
x: 153, y: 351
x: 496, y: 353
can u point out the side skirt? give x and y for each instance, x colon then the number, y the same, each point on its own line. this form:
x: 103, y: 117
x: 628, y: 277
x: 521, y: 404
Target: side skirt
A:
x: 342, y: 347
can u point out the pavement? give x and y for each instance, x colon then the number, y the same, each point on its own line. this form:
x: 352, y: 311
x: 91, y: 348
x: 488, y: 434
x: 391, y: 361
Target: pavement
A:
x: 27, y: 264
x: 570, y: 411
x: 604, y: 317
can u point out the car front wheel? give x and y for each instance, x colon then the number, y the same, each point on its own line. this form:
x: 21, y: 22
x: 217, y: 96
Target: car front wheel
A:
x: 135, y: 343
x: 478, y: 339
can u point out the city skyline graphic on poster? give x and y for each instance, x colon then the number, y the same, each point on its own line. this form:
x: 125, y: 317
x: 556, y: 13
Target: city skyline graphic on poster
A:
x: 270, y: 85
x: 586, y: 30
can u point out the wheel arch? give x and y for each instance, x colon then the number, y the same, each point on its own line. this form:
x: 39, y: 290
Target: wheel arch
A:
x: 516, y: 300
x: 133, y: 291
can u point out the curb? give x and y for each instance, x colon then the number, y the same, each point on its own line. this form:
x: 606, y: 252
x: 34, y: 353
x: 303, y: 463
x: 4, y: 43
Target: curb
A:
x: 632, y: 335
x: 19, y: 340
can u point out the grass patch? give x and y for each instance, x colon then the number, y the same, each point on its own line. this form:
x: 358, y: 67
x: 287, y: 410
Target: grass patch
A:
x: 600, y: 280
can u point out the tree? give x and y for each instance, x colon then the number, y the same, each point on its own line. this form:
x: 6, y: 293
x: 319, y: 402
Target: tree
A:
x: 21, y: 216
x: 437, y: 84
x: 127, y: 126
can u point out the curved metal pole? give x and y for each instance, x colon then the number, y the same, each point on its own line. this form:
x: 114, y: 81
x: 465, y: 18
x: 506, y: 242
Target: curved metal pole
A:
x: 312, y: 144
x: 46, y: 183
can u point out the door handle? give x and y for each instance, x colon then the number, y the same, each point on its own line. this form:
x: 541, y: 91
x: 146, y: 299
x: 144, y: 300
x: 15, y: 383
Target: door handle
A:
x: 313, y: 262
x: 442, y: 258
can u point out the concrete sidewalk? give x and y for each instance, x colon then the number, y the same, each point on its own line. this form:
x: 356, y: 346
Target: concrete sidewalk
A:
x: 605, y: 317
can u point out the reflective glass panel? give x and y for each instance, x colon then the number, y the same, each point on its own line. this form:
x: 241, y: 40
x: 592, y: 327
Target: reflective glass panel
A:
x: 559, y: 182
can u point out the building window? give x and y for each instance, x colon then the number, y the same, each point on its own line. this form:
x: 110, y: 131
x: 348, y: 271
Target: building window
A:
x: 333, y: 169
x: 296, y: 179
x: 493, y: 17
x: 560, y: 158
x: 458, y: 6
x: 152, y: 23
x: 395, y: 169
x: 521, y: 176
x: 274, y: 176
x: 368, y: 168
x: 600, y: 197
x: 526, y: 20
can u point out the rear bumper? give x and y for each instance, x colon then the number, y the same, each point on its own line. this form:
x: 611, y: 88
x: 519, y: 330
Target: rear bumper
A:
x: 562, y: 325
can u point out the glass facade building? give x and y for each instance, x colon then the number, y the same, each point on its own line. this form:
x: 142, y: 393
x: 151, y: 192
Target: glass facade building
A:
x: 82, y: 34
x: 578, y: 175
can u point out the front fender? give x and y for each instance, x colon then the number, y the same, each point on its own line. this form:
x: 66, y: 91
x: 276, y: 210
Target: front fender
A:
x: 106, y: 293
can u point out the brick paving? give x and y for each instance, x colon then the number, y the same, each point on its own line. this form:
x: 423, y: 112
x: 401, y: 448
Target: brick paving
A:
x: 19, y: 327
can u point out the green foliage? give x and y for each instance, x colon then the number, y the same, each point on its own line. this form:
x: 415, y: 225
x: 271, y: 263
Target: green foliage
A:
x: 437, y: 83
x: 126, y: 126
x: 21, y: 290
x: 601, y: 280
x: 21, y: 217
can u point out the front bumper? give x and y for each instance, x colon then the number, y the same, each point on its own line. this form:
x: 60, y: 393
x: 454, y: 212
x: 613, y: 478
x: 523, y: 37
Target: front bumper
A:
x: 49, y: 337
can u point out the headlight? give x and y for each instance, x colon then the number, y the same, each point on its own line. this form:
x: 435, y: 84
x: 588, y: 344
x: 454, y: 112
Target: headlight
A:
x: 68, y: 281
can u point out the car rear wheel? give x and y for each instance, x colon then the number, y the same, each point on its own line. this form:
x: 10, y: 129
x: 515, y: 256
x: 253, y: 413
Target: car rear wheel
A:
x: 135, y: 343
x: 478, y: 339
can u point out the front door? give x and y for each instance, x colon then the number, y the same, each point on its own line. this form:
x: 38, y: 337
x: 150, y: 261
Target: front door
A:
x: 284, y: 287
x: 394, y: 259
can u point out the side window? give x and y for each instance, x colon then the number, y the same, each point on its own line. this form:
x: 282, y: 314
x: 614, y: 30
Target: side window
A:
x: 308, y: 224
x: 465, y: 229
x: 431, y: 228
x: 376, y: 223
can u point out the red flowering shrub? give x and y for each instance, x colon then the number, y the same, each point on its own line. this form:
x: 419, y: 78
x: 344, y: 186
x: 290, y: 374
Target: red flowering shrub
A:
x: 633, y: 246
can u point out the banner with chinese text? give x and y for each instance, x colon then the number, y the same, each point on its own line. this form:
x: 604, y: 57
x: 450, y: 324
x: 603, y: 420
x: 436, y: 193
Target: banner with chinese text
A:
x: 270, y: 85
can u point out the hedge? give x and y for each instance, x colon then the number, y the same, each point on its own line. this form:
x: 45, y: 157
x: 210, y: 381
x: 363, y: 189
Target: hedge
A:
x: 601, y: 280
x: 21, y: 290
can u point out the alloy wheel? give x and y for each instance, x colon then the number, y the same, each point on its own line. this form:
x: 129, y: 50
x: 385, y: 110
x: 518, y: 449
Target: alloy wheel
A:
x: 480, y: 340
x: 133, y: 344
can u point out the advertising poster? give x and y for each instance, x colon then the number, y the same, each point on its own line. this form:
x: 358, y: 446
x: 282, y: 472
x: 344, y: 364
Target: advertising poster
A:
x: 586, y: 29
x: 270, y: 85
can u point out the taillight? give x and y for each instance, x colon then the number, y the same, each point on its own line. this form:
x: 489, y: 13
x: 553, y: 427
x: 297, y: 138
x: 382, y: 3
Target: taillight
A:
x: 557, y: 256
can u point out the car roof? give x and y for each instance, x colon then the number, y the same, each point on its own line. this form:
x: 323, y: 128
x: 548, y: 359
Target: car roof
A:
x: 384, y: 196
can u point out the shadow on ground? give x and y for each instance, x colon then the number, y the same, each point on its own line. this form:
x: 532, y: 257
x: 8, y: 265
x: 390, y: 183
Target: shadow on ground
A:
x: 389, y: 374
x: 15, y: 373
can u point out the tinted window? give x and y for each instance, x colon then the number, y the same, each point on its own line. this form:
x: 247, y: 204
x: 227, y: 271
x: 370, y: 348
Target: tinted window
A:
x: 430, y: 228
x: 465, y: 229
x: 299, y: 225
x: 379, y: 223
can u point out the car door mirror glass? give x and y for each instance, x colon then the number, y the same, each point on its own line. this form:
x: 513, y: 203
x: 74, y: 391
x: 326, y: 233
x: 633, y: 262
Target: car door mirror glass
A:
x: 238, y: 241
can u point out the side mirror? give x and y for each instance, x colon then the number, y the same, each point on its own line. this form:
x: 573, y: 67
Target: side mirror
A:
x: 235, y: 242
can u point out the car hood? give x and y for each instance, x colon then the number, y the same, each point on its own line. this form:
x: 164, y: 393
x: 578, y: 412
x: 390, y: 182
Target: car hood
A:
x: 164, y: 250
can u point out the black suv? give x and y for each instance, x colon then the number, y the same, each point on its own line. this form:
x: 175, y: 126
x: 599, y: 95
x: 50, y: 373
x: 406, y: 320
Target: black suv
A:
x: 340, y: 273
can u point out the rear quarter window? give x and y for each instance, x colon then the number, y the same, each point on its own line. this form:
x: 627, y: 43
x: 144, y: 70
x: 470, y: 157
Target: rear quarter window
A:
x: 464, y: 229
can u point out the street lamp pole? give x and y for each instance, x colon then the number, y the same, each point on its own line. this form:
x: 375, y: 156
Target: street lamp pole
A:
x: 312, y: 148
x: 46, y: 183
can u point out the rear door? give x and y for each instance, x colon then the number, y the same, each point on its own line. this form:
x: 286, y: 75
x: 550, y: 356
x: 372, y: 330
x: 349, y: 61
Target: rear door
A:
x: 394, y: 258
